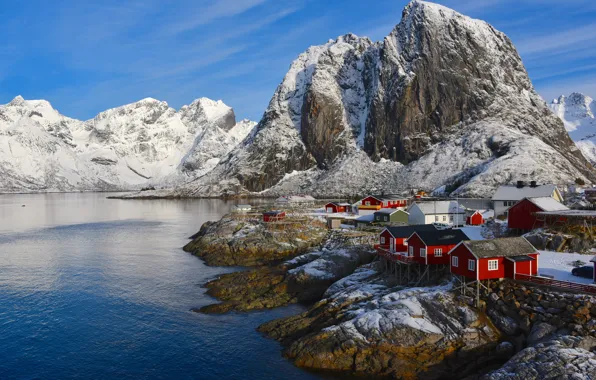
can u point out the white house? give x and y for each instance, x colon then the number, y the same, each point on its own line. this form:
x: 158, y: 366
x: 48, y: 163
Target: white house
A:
x: 448, y: 212
x: 508, y: 195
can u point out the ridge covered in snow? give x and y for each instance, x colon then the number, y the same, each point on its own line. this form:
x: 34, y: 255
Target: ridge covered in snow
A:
x: 128, y: 147
x: 577, y: 112
x: 443, y: 101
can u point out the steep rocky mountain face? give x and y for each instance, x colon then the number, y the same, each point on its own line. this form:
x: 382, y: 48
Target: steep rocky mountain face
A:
x: 444, y: 100
x: 577, y: 112
x: 128, y: 147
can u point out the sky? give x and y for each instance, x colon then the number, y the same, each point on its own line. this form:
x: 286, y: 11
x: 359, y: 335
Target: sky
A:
x: 88, y: 56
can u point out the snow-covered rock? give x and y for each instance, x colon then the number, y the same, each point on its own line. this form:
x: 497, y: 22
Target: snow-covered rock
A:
x: 139, y: 144
x: 443, y: 100
x: 577, y: 112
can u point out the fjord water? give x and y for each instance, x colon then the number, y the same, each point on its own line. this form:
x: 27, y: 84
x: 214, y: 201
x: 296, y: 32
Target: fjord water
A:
x: 98, y: 288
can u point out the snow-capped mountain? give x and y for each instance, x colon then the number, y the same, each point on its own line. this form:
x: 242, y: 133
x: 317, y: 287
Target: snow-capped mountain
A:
x: 444, y: 100
x: 128, y: 147
x: 577, y: 112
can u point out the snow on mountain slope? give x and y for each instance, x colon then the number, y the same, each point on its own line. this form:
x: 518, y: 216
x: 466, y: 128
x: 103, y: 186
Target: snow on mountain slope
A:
x: 122, y: 148
x: 577, y: 112
x: 444, y: 100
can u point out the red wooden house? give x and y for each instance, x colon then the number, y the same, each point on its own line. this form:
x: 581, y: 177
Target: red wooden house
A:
x: 376, y: 203
x: 273, y: 216
x: 494, y: 259
x: 522, y: 215
x: 476, y: 219
x: 393, y: 238
x: 432, y: 247
x: 333, y: 207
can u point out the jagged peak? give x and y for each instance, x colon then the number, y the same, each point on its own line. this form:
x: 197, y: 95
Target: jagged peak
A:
x: 17, y: 101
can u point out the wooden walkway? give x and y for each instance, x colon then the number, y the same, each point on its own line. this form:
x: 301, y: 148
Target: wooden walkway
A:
x: 556, y: 284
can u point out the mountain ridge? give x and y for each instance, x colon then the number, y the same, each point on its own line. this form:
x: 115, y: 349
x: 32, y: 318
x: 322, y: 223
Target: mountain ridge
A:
x: 443, y: 103
x: 122, y: 148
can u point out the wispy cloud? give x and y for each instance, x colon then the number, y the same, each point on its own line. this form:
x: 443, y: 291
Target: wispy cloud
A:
x: 206, y: 15
x: 556, y: 41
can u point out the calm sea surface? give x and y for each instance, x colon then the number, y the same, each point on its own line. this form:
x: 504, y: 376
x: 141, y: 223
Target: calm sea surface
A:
x: 96, y: 288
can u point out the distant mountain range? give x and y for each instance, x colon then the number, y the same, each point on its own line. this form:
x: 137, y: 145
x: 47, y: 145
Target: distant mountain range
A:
x: 128, y: 147
x: 442, y: 103
x: 577, y: 112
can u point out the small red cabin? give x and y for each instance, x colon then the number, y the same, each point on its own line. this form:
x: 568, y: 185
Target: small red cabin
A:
x: 273, y: 216
x: 522, y: 215
x: 476, y: 219
x: 393, y: 238
x: 494, y: 259
x: 333, y: 207
x: 432, y: 247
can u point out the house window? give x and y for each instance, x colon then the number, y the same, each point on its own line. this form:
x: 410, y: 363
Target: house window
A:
x: 471, y: 265
x: 493, y: 264
x: 451, y: 218
x: 438, y: 252
x: 509, y: 203
x: 455, y: 261
x: 382, y: 239
x: 444, y: 218
x: 422, y: 252
x: 411, y: 251
x: 436, y: 218
x: 386, y: 218
x: 367, y: 203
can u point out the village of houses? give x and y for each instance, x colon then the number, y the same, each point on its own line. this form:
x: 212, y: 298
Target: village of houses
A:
x: 417, y: 237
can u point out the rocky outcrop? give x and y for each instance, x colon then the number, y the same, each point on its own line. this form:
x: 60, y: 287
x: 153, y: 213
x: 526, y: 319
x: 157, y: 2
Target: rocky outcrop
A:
x: 237, y: 241
x: 561, y: 358
x: 443, y: 100
x: 534, y: 313
x: 365, y: 325
x: 303, y: 279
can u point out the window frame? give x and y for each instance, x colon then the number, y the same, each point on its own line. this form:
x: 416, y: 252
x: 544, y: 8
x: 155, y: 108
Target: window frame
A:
x: 455, y: 261
x: 496, y: 266
x: 438, y: 252
x: 472, y: 265
x: 422, y: 252
x: 383, y: 240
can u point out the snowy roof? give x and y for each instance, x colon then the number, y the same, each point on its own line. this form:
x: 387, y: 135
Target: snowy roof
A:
x: 442, y: 237
x: 407, y: 231
x: 502, y: 247
x: 389, y: 211
x: 513, y: 193
x: 339, y: 204
x: 593, y: 259
x: 548, y: 204
x: 440, y: 207
x: 366, y: 218
x: 273, y: 212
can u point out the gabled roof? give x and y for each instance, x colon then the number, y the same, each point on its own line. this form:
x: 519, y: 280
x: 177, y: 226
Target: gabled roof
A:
x: 389, y: 211
x: 513, y: 193
x: 407, y: 231
x: 440, y: 207
x: 442, y: 237
x: 338, y: 204
x: 548, y: 204
x: 593, y: 259
x: 502, y: 247
x: 386, y: 197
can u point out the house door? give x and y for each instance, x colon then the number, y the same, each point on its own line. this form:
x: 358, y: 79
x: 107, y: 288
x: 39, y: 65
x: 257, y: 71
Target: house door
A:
x: 391, y: 245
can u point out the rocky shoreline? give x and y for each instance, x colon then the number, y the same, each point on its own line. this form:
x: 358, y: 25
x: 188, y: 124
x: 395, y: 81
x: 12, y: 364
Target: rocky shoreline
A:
x: 362, y: 322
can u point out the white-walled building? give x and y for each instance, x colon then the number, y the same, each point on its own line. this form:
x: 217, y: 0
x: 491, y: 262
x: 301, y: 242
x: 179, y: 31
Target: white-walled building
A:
x: 448, y: 212
x: 508, y: 195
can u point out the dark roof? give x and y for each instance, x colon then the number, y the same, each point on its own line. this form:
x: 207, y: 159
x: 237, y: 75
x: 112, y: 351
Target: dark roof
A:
x: 275, y: 212
x: 407, y: 231
x: 518, y: 259
x: 442, y: 237
x: 503, y: 247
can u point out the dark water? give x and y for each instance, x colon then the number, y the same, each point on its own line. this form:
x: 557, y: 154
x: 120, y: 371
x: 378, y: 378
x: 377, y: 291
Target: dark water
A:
x: 98, y: 288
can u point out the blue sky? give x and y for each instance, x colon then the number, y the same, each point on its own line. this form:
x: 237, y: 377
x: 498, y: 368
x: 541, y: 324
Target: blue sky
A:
x: 87, y: 56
